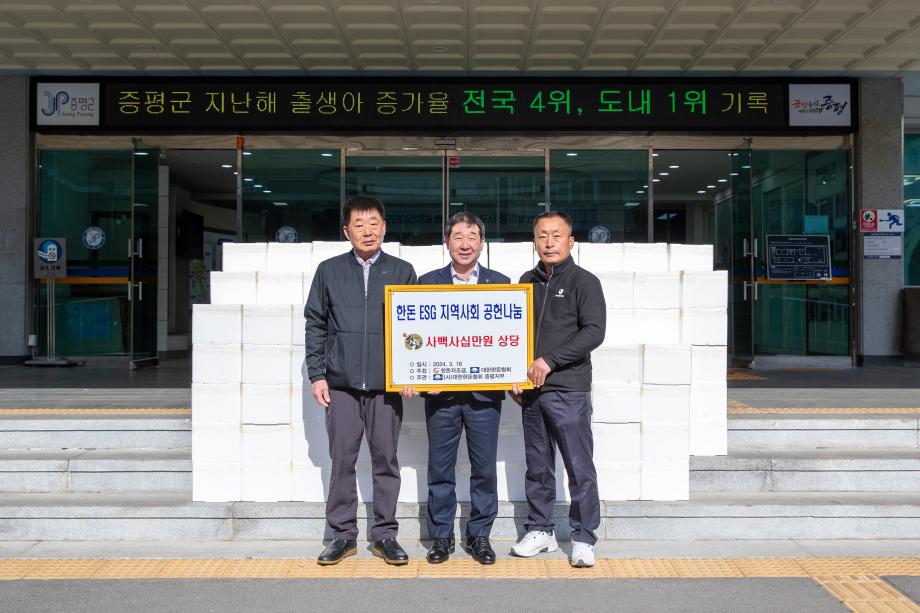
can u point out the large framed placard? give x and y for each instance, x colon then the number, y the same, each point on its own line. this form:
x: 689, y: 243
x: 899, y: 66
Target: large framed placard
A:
x: 458, y: 337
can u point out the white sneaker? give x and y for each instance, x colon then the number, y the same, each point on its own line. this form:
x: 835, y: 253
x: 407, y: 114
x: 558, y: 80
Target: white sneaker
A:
x: 582, y: 554
x: 534, y: 542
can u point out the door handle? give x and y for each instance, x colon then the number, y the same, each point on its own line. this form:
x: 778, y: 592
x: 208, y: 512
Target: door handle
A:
x: 140, y: 247
x: 744, y: 247
x: 130, y: 291
x: 756, y: 285
x: 140, y: 290
x: 744, y: 287
x: 756, y: 250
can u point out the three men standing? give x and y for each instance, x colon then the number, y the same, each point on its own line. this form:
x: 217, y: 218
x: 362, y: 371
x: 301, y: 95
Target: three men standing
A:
x: 344, y: 334
x: 449, y: 413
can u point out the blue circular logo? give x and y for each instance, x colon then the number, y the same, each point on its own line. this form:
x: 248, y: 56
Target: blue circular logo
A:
x: 50, y: 251
x: 93, y: 238
x: 599, y: 234
x: 286, y: 234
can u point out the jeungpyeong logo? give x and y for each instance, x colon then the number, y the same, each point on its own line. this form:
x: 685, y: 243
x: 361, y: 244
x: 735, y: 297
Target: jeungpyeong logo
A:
x: 820, y: 104
x: 67, y: 104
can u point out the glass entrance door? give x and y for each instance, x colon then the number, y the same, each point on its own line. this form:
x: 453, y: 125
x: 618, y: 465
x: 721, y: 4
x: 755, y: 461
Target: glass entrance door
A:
x: 505, y: 191
x: 744, y: 291
x: 142, y: 257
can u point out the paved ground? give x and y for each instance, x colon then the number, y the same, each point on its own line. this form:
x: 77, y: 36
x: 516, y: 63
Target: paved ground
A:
x: 637, y: 595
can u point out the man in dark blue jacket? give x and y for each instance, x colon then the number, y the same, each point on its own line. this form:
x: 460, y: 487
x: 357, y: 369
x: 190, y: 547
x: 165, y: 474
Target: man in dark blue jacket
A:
x: 449, y: 413
x: 344, y: 334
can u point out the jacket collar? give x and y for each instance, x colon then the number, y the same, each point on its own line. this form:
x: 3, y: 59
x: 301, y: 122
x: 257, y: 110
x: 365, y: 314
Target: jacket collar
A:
x: 560, y: 268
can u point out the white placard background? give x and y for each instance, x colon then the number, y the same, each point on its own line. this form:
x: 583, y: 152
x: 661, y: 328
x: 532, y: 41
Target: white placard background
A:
x: 414, y: 367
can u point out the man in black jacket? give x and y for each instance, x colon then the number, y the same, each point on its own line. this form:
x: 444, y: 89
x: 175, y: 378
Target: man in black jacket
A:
x: 344, y: 336
x: 449, y: 414
x: 570, y: 322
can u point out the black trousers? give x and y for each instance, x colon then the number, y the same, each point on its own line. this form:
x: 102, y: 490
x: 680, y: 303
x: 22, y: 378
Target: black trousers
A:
x: 446, y: 421
x: 564, y: 419
x: 350, y: 416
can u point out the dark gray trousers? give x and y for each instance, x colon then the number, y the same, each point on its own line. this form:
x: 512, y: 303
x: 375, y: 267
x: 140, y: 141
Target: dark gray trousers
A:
x: 352, y: 415
x: 564, y: 419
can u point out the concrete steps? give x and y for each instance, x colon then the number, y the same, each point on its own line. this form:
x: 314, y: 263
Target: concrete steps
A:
x: 98, y: 432
x: 816, y: 431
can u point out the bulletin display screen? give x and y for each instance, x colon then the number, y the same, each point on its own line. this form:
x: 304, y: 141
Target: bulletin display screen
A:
x: 799, y: 257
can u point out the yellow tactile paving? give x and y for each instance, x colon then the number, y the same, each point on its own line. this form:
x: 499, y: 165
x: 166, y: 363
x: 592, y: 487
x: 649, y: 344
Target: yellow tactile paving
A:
x: 744, y: 376
x: 454, y: 568
x: 515, y: 569
x: 893, y: 566
x: 642, y: 568
x: 867, y: 593
x: 378, y: 569
x: 196, y: 569
x: 64, y: 569
x: 694, y: 568
x: 309, y: 569
x: 260, y: 569
x: 818, y: 567
x: 771, y: 567
x: 15, y: 569
x: 130, y: 569
x: 561, y: 569
x: 91, y: 411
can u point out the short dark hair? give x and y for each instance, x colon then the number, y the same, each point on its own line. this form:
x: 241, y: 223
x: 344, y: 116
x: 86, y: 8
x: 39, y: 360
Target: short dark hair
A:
x: 467, y: 218
x: 360, y: 203
x: 550, y: 214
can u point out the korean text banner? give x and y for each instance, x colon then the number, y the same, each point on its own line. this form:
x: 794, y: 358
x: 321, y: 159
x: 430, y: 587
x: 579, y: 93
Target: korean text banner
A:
x: 468, y: 337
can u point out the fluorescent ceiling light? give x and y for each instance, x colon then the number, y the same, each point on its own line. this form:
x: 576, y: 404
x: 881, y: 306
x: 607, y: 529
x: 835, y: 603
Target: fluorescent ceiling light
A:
x: 710, y: 187
x: 723, y: 180
x: 631, y: 204
x: 571, y: 154
x: 226, y: 166
x: 673, y: 166
x: 326, y: 155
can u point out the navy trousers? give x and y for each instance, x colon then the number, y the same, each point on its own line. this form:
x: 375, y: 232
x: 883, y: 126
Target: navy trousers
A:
x: 564, y: 419
x: 446, y: 419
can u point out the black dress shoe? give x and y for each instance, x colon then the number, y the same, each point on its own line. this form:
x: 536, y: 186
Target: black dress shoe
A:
x: 336, y: 551
x: 390, y: 551
x: 480, y: 548
x: 440, y: 550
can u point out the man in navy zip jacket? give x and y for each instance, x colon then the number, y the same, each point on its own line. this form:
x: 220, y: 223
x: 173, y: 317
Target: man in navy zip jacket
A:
x: 448, y: 414
x: 344, y: 334
x: 569, y: 323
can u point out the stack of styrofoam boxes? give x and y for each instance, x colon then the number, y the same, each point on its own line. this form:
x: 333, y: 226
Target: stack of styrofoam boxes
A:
x: 652, y: 408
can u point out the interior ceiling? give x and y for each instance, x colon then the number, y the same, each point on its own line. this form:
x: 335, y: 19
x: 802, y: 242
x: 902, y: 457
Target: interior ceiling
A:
x: 461, y: 36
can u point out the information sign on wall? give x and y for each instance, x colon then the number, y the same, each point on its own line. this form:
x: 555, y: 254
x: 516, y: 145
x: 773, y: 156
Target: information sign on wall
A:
x: 799, y: 257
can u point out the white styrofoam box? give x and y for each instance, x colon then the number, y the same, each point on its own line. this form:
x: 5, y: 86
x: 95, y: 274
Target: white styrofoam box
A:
x: 666, y: 364
x: 708, y: 401
x: 217, y: 443
x: 266, y: 482
x: 617, y: 364
x: 667, y: 404
x: 412, y: 449
x: 289, y: 257
x: 298, y: 323
x: 304, y: 409
x: 323, y: 250
x: 658, y: 326
x: 701, y: 289
x: 297, y: 365
x: 217, y: 324
x: 267, y: 325
x: 600, y: 258
x: 512, y: 259
x: 280, y: 288
x: 709, y: 437
x: 309, y: 444
x: 266, y: 444
x: 414, y: 410
x: 621, y: 328
x: 217, y: 364
x: 657, y: 290
x: 665, y: 481
x: 307, y: 284
x: 267, y: 364
x: 704, y: 326
x: 510, y: 444
x: 511, y: 414
x: 308, y: 483
x: 244, y: 257
x: 616, y: 403
x: 216, y: 403
x: 423, y: 257
x: 708, y: 364
x: 413, y: 482
x: 618, y: 289
x: 618, y: 481
x: 664, y: 443
x: 233, y: 287
x: 689, y: 257
x: 617, y: 443
x: 266, y: 404
x: 511, y: 481
x: 645, y: 257
x: 217, y: 482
